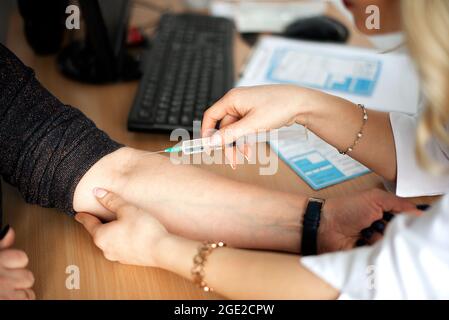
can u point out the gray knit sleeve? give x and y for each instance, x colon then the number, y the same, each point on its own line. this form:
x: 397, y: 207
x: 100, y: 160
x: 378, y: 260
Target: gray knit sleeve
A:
x: 45, y: 146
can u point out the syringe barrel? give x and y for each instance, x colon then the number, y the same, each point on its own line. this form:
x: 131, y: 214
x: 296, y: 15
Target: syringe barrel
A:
x: 196, y: 146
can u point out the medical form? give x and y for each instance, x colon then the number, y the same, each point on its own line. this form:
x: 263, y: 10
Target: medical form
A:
x: 316, y: 162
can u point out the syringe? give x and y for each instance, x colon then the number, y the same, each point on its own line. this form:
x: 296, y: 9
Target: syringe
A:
x: 189, y: 147
x: 194, y: 146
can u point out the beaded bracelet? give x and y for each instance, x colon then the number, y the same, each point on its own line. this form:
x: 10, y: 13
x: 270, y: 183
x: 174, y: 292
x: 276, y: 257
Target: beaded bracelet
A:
x: 199, y: 261
x: 360, y: 133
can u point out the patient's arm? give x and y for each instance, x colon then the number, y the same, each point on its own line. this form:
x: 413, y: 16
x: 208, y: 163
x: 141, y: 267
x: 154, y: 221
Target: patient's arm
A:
x: 199, y: 205
x: 195, y: 203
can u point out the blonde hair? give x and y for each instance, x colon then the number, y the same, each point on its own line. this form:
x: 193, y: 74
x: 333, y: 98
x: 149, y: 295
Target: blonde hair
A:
x: 426, y: 23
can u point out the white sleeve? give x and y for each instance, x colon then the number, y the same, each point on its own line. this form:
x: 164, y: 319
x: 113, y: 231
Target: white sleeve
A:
x: 411, y: 262
x: 412, y: 181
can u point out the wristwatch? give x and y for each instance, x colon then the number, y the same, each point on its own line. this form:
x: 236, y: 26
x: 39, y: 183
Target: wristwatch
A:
x: 311, y: 223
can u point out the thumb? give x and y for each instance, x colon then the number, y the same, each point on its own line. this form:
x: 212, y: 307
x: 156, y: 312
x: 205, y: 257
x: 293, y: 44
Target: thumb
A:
x: 8, y: 238
x: 114, y: 203
x: 415, y: 212
x: 90, y: 222
x: 391, y: 203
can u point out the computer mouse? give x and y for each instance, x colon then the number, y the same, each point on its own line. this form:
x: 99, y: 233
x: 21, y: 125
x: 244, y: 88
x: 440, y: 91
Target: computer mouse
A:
x: 321, y: 28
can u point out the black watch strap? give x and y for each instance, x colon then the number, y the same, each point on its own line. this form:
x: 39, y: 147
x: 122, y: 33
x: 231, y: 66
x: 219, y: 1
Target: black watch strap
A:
x: 311, y: 224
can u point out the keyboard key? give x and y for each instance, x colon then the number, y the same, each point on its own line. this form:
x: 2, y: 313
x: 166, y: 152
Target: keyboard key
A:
x: 186, y: 120
x: 144, y: 113
x: 160, y: 119
x: 173, y: 120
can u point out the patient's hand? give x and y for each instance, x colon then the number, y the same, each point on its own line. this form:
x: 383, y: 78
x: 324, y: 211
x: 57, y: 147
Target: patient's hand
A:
x: 15, y: 280
x: 344, y: 218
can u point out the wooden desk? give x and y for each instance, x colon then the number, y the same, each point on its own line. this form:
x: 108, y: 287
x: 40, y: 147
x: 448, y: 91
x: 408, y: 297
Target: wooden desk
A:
x: 55, y: 241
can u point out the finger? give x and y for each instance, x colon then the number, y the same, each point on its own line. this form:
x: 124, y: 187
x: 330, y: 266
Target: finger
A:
x: 19, y: 278
x: 8, y: 238
x: 13, y: 259
x: 30, y: 294
x: 391, y: 203
x: 250, y: 149
x: 232, y: 132
x: 415, y: 212
x: 12, y: 294
x: 216, y: 113
x: 243, y: 148
x: 229, y: 152
x: 231, y: 156
x: 113, y: 202
x: 89, y: 222
x: 20, y: 295
x: 227, y: 120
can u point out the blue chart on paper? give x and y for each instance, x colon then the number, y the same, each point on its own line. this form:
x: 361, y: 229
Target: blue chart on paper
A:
x: 325, y: 72
x: 318, y: 163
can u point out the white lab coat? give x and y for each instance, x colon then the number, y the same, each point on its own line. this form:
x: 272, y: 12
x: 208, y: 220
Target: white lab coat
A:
x: 412, y: 181
x: 412, y: 260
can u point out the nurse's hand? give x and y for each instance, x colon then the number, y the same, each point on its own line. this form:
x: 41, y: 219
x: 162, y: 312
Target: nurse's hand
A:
x: 15, y: 280
x: 131, y: 238
x: 247, y: 110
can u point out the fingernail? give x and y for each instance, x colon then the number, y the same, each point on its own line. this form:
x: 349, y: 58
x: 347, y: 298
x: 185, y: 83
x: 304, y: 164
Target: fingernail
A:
x: 4, y: 232
x: 361, y: 243
x: 367, y: 233
x: 100, y: 193
x: 249, y: 153
x: 378, y: 226
x: 388, y: 216
x: 216, y: 140
x: 423, y: 207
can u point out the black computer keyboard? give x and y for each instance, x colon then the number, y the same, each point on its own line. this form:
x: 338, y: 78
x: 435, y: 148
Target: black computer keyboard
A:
x: 187, y: 69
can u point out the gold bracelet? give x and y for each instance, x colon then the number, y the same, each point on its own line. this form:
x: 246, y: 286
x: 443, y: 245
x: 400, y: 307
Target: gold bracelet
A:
x: 360, y: 133
x: 199, y: 261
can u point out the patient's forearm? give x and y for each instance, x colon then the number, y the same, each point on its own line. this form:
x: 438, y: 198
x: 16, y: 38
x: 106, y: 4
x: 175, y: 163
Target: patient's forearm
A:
x: 243, y: 274
x: 338, y: 121
x: 194, y: 203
